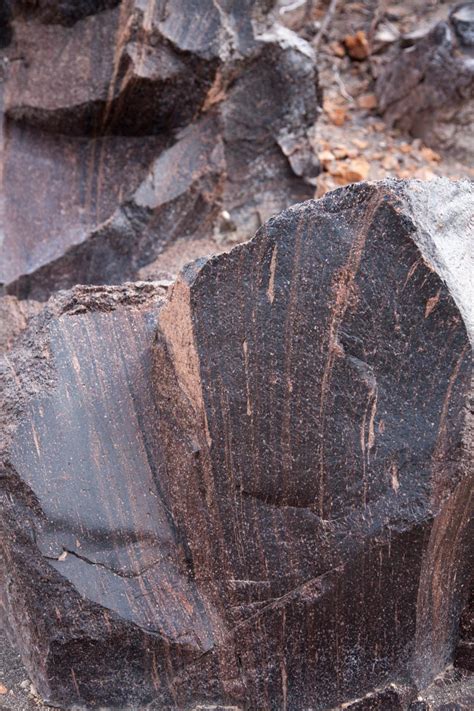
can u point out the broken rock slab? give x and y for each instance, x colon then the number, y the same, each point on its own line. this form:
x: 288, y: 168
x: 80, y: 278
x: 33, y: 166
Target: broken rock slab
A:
x: 145, y: 121
x: 178, y: 196
x: 253, y: 487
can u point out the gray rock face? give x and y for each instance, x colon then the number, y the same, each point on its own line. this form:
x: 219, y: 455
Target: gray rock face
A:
x: 443, y: 213
x: 251, y: 489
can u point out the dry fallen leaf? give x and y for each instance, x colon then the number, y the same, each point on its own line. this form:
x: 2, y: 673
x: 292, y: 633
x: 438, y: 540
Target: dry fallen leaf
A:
x: 352, y: 172
x: 340, y: 151
x: 326, y: 157
x: 337, y: 49
x: 336, y: 169
x: 357, y: 169
x: 3, y: 689
x: 424, y: 174
x: 430, y: 154
x: 336, y: 113
x: 405, y: 173
x: 406, y: 147
x: 359, y: 143
x: 357, y: 45
x: 353, y: 152
x: 390, y: 163
x: 367, y: 101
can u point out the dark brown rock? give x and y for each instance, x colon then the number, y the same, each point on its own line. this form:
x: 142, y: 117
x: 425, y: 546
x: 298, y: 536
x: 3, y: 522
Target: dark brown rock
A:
x: 126, y: 129
x: 427, y: 88
x: 253, y: 492
x: 58, y: 12
x: 6, y: 33
x: 391, y: 698
x: 178, y: 197
x: 464, y: 656
x: 68, y: 626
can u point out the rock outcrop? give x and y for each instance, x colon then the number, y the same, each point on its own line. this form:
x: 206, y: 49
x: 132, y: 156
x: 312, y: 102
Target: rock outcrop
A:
x: 427, y: 88
x: 129, y: 125
x: 252, y: 488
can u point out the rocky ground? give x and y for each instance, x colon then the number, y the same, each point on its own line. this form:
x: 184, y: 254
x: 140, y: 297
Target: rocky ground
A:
x: 350, y: 138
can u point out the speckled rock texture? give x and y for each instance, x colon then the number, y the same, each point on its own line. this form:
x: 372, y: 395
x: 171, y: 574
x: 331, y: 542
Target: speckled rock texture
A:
x: 251, y: 489
x: 125, y: 126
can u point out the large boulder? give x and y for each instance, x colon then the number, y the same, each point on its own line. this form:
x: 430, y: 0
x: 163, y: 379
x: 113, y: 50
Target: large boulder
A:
x: 251, y: 489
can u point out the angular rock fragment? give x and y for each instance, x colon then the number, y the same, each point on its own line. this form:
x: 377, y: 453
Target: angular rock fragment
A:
x: 89, y: 406
x: 199, y: 107
x: 427, y: 88
x: 254, y: 490
x: 177, y: 198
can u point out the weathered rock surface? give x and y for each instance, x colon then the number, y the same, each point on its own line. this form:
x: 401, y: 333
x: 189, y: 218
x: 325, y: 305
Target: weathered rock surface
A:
x: 14, y: 317
x: 128, y: 125
x: 464, y: 656
x: 57, y: 12
x: 254, y: 490
x: 427, y: 88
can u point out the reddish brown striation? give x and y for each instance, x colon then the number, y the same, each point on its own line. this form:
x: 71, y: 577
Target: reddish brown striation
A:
x: 251, y: 491
x: 127, y: 125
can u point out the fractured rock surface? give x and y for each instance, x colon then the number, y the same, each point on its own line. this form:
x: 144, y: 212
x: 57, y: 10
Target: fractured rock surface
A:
x: 14, y: 317
x: 464, y: 656
x: 126, y: 126
x: 251, y: 489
